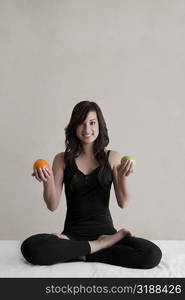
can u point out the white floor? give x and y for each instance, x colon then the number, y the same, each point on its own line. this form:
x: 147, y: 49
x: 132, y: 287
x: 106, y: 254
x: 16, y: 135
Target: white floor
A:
x: 12, y: 264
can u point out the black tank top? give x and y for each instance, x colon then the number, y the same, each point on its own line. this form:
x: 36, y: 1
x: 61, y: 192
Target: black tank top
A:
x: 88, y: 215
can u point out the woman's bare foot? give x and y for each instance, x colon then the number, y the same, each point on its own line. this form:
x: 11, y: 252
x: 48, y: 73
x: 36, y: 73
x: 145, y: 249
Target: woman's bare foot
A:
x: 106, y: 241
x: 63, y: 236
x: 110, y: 240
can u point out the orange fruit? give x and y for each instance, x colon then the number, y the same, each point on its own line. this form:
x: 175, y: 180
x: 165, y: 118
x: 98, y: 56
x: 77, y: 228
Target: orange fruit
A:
x: 40, y: 163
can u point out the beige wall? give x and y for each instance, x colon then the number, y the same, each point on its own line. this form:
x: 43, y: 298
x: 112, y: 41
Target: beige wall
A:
x: 129, y: 57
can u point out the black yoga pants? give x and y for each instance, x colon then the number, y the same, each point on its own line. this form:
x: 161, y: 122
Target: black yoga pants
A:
x: 130, y: 252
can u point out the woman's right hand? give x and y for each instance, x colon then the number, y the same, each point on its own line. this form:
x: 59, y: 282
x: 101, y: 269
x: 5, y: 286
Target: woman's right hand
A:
x: 42, y: 174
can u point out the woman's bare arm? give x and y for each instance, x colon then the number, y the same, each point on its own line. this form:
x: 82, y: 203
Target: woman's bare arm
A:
x: 53, y: 186
x: 120, y: 179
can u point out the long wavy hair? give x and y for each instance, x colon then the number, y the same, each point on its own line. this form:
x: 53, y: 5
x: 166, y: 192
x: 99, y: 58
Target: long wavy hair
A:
x: 74, y: 146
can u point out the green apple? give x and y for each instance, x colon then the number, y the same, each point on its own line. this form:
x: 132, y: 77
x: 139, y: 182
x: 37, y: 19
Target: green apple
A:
x: 128, y: 157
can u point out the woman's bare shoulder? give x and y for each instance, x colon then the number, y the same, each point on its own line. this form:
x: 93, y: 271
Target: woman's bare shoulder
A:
x: 59, y: 160
x: 114, y: 158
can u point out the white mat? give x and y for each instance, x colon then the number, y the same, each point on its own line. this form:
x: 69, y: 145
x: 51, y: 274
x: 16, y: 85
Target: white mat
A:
x: 12, y: 264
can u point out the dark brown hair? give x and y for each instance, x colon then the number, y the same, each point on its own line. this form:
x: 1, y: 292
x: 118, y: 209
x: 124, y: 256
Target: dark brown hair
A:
x: 73, y: 144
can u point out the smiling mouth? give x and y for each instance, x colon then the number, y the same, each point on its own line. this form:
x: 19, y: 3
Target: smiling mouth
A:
x: 87, y: 135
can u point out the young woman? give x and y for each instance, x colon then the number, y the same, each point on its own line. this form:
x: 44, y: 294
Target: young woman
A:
x: 88, y: 169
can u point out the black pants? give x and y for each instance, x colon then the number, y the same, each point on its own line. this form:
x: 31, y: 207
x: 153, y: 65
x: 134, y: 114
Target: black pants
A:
x: 130, y: 252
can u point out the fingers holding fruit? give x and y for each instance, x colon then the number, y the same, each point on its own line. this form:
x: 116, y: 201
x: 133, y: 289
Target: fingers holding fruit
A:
x: 130, y: 168
x: 126, y: 166
x: 41, y: 170
x: 42, y: 174
x: 36, y: 175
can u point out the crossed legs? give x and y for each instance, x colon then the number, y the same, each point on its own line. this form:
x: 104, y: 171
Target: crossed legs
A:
x: 121, y: 249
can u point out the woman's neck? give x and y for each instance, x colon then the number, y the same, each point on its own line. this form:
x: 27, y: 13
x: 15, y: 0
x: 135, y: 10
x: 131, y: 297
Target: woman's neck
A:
x: 87, y: 150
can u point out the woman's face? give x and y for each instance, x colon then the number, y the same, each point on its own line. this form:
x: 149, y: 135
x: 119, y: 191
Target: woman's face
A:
x: 88, y: 131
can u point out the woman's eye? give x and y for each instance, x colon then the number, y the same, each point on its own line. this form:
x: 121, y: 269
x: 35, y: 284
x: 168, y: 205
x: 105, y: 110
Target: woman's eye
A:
x: 92, y: 123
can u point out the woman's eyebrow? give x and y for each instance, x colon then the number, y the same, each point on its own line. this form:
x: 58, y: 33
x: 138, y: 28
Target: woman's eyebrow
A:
x: 91, y: 120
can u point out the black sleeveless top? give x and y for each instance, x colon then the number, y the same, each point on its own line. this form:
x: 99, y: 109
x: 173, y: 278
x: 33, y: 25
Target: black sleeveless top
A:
x: 88, y: 215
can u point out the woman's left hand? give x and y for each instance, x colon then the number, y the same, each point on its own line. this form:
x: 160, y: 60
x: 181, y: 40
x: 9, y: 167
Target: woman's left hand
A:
x: 125, y: 168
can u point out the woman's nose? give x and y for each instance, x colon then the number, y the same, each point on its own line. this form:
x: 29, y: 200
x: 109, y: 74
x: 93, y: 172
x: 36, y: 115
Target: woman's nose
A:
x: 86, y: 129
